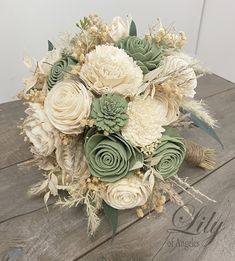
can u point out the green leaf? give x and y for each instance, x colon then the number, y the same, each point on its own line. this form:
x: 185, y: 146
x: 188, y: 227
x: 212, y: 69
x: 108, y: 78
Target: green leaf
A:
x: 172, y: 132
x: 50, y: 46
x: 204, y: 126
x: 133, y: 30
x: 112, y: 215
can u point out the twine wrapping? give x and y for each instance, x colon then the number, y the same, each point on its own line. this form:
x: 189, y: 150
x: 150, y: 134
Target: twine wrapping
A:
x: 199, y: 156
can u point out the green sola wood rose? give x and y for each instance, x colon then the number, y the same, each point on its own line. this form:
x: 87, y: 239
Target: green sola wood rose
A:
x: 58, y: 70
x: 110, y: 112
x: 171, y: 152
x: 110, y: 158
x: 144, y: 51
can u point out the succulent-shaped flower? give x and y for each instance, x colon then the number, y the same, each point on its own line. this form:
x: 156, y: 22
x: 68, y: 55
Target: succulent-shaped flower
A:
x: 144, y: 51
x: 58, y: 70
x: 110, y: 158
x: 110, y: 112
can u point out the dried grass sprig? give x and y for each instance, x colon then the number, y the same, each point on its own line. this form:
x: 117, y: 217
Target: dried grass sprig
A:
x: 200, y: 109
x: 196, y: 191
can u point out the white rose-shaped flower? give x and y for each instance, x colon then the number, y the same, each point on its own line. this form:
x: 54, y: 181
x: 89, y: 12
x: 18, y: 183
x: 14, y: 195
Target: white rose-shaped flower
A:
x: 110, y: 69
x: 127, y: 193
x: 66, y: 105
x: 39, y: 130
x: 119, y: 29
x: 146, y: 118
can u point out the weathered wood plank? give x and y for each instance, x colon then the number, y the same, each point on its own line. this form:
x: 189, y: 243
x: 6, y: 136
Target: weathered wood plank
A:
x: 12, y: 147
x: 15, y: 182
x: 149, y: 239
x: 212, y: 84
x: 61, y: 234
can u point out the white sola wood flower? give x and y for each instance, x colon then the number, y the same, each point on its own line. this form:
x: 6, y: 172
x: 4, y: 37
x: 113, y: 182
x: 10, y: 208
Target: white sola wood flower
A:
x: 110, y: 69
x: 39, y: 130
x: 127, y: 193
x: 146, y: 118
x: 119, y: 29
x: 66, y: 105
x: 179, y: 71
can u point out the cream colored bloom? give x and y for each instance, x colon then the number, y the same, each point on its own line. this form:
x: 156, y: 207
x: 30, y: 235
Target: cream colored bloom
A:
x: 66, y: 105
x: 127, y: 193
x: 110, y: 69
x: 119, y: 29
x: 146, y: 118
x: 39, y: 70
x: 179, y: 71
x: 39, y: 130
x: 172, y: 105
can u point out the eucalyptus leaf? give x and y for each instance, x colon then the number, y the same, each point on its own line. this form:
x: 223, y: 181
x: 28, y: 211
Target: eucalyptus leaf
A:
x: 172, y: 132
x: 50, y: 46
x: 133, y: 30
x: 157, y: 174
x: 204, y: 126
x: 155, y: 160
x: 151, y: 181
x: 137, y: 165
x: 112, y: 215
x: 146, y: 174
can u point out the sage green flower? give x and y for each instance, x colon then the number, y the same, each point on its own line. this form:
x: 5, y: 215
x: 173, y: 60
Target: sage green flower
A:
x: 110, y: 158
x: 171, y: 152
x: 58, y: 70
x: 144, y: 51
x: 110, y: 112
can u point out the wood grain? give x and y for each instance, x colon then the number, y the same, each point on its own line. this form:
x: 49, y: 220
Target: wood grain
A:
x: 15, y: 182
x: 150, y: 240
x: 12, y: 147
x: 211, y: 85
x: 61, y: 234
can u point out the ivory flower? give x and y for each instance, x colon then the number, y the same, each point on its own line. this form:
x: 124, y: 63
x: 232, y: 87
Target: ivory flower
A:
x: 172, y: 105
x: 66, y: 105
x: 39, y: 130
x: 39, y: 70
x: 119, y: 29
x: 146, y: 118
x: 127, y: 193
x: 180, y: 72
x: 110, y: 69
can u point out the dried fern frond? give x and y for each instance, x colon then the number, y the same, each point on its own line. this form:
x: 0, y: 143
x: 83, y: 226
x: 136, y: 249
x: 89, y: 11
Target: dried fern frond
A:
x: 199, y: 108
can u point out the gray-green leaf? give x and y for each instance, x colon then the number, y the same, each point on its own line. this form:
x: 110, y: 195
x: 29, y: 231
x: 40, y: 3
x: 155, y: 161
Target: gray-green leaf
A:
x: 112, y: 215
x: 133, y: 30
x: 50, y: 46
x: 204, y: 126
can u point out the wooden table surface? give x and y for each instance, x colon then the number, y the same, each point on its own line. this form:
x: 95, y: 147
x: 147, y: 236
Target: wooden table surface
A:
x: 28, y: 232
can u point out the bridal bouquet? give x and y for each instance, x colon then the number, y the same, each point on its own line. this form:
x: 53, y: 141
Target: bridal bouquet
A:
x: 104, y: 112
